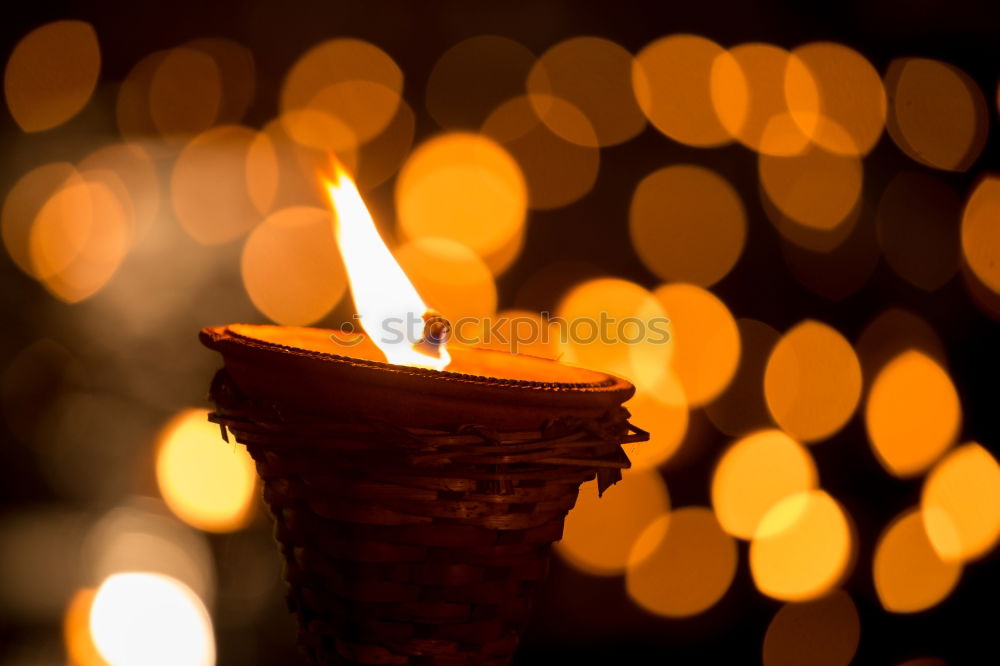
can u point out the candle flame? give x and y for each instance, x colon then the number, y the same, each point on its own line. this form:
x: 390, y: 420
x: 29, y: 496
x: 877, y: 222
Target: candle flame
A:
x: 389, y: 307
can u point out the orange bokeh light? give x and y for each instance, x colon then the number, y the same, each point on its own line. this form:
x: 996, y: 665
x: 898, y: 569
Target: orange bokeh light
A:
x: 912, y: 414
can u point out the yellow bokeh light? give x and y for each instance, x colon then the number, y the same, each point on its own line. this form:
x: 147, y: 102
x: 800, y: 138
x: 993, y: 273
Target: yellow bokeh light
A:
x: 816, y: 188
x: 51, y: 74
x: 671, y: 78
x: 812, y: 382
x: 912, y: 414
x: 464, y: 187
x: 456, y: 97
x: 593, y: 315
x: 24, y: 201
x: 741, y: 408
x: 595, y: 76
x: 147, y: 618
x: 185, y: 92
x: 291, y: 266
x: 749, y: 93
x: 208, y: 185
x: 663, y: 412
x: 132, y: 107
x: 830, y: 81
x: 206, y: 482
x: 754, y: 474
x: 687, y: 224
x: 557, y: 172
x: 917, y: 215
x: 351, y: 80
x: 803, y: 547
x: 892, y: 332
x: 681, y: 564
x: 961, y: 504
x: 449, y: 277
x: 981, y: 232
x: 282, y: 171
x: 937, y: 114
x: 132, y: 166
x: 237, y: 74
x: 824, y: 632
x: 382, y: 157
x: 706, y: 342
x: 909, y: 575
x: 79, y: 239
x: 80, y: 648
x: 600, y: 531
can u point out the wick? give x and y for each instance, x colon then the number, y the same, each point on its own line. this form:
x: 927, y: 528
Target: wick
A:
x: 436, y: 331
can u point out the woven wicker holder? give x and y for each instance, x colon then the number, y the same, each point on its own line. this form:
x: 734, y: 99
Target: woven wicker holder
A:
x: 413, y: 542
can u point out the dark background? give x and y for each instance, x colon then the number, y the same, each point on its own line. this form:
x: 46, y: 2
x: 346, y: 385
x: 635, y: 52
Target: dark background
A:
x: 583, y: 619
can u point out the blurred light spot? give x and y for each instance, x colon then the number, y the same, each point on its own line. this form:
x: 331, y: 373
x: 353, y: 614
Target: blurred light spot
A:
x: 802, y: 548
x: 937, y: 114
x: 824, y: 632
x: 350, y: 80
x: 543, y: 289
x: 816, y: 188
x: 51, y: 74
x: 961, y: 504
x: 595, y: 314
x: 917, y: 216
x: 185, y: 92
x: 237, y: 74
x: 909, y: 575
x: 741, y: 408
x: 456, y: 97
x: 501, y: 259
x: 38, y: 375
x: 78, y: 240
x: 209, y: 185
x: 449, y: 277
x: 981, y: 232
x: 663, y: 412
x: 132, y: 108
x: 382, y: 157
x: 705, y: 340
x: 812, y: 382
x: 683, y: 564
x: 25, y: 200
x: 595, y: 76
x: 913, y: 413
x: 754, y: 474
x: 132, y: 165
x: 147, y: 618
x: 80, y: 648
x: 142, y: 535
x: 464, y: 187
x: 687, y: 224
x: 600, y: 531
x: 748, y: 90
x: 924, y: 661
x: 85, y: 444
x: 830, y: 81
x: 206, y: 482
x: 291, y: 267
x: 671, y: 78
x: 892, y: 333
x: 281, y: 171
x: 39, y: 563
x: 834, y: 264
x: 557, y: 172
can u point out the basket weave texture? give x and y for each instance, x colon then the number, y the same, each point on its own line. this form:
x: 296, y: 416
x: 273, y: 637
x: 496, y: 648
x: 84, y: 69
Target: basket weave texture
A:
x: 411, y: 545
